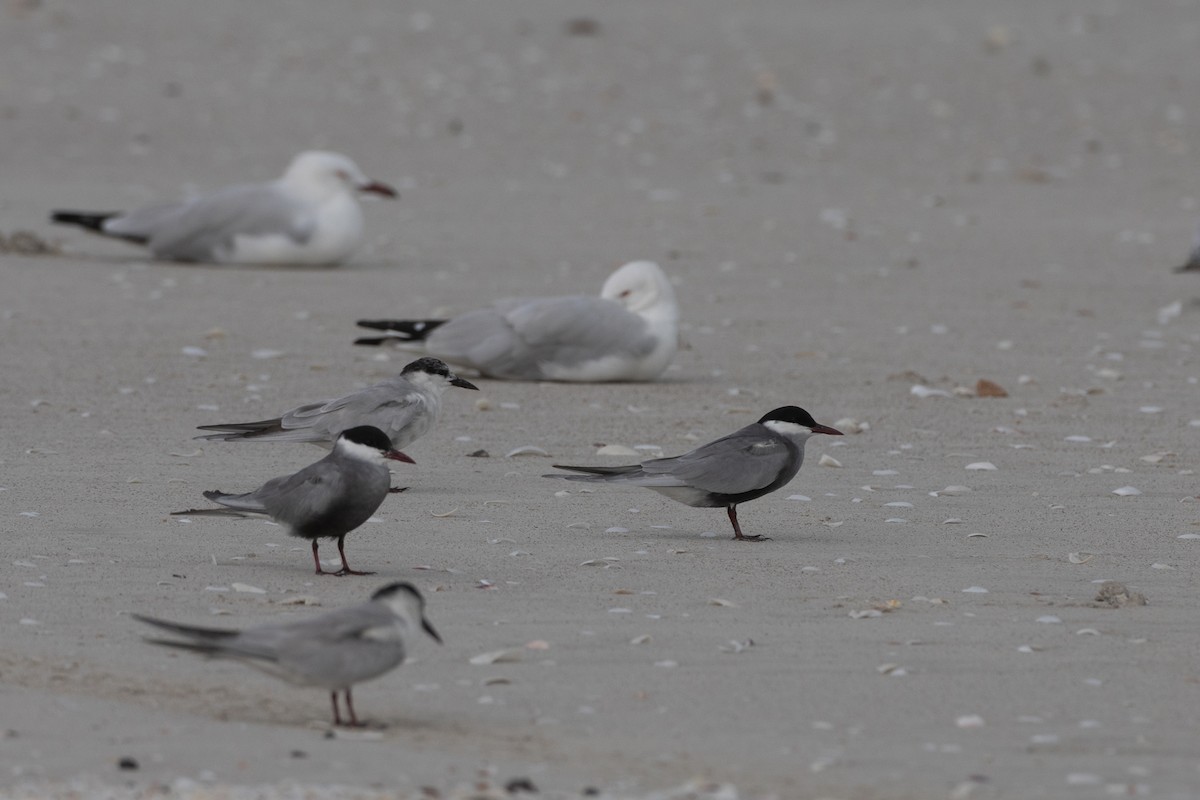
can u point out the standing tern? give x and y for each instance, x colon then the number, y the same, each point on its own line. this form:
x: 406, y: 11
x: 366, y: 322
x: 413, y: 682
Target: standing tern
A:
x: 748, y: 463
x: 325, y: 500
x: 333, y: 651
x: 628, y: 333
x: 309, y: 216
x: 404, y: 408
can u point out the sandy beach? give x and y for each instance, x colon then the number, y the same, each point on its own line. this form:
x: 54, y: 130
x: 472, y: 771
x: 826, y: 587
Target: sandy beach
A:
x: 866, y: 208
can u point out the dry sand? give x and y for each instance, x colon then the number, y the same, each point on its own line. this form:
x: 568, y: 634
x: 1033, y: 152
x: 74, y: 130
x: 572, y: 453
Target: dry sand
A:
x: 853, y: 198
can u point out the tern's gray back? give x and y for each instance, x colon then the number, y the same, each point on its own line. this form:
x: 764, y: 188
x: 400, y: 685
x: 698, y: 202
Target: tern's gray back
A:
x: 334, y: 651
x: 326, y: 499
x: 751, y: 459
x: 395, y: 406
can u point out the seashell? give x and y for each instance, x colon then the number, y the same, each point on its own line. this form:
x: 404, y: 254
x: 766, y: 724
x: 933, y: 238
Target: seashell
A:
x: 442, y: 514
x: 828, y: 461
x: 1080, y: 558
x: 643, y: 639
x: 616, y: 450
x: 247, y: 588
x: 922, y: 391
x: 1126, y: 491
x: 975, y: 590
x: 526, y: 450
x: 986, y: 388
x: 720, y: 601
x: 506, y: 656
x: 981, y: 465
x: 299, y: 600
x: 867, y: 613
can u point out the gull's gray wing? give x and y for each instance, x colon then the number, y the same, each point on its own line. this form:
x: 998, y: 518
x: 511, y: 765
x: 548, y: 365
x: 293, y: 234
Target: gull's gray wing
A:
x: 203, y: 229
x: 744, y: 461
x: 529, y: 339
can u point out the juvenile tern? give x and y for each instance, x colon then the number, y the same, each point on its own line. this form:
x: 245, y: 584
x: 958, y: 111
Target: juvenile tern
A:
x: 404, y: 408
x: 748, y: 463
x: 333, y: 651
x: 628, y: 333
x: 325, y: 500
x: 309, y: 216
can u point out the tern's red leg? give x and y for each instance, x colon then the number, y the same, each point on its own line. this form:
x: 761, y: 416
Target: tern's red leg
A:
x: 337, y: 717
x: 350, y: 707
x: 737, y: 529
x: 317, y: 561
x: 345, y: 570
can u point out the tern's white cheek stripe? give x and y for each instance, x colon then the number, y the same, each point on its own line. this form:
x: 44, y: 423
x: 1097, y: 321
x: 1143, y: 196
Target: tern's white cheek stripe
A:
x: 787, y: 428
x: 359, y: 451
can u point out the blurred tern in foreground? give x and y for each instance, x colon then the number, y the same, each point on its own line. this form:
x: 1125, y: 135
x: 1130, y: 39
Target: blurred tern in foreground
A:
x: 333, y: 651
x: 748, y: 463
x: 309, y: 216
x: 404, y: 408
x: 628, y: 333
x: 1193, y: 260
x: 325, y: 500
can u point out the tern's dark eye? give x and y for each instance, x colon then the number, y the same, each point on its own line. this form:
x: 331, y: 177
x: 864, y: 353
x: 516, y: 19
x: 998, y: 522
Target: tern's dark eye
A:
x: 625, y: 293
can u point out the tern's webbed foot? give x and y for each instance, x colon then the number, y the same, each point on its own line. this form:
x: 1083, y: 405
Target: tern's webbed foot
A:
x: 347, y: 571
x: 744, y: 538
x: 398, y: 489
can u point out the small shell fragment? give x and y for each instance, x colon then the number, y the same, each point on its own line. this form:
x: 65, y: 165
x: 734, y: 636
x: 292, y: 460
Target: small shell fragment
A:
x: 247, y: 588
x: 1080, y: 558
x: 442, y: 514
x: 866, y: 613
x: 951, y: 491
x: 1127, y: 491
x: 828, y: 461
x: 969, y: 721
x: 851, y: 425
x: 616, y: 450
x: 720, y: 601
x: 526, y: 450
x: 981, y: 465
x: 300, y: 600
x: 643, y: 639
x: 986, y: 388
x: 922, y: 391
x: 507, y: 656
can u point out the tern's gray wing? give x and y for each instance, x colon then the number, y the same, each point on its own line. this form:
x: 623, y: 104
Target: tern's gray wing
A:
x: 309, y: 494
x: 204, y: 229
x: 744, y: 461
x: 530, y: 339
x: 335, y: 650
x: 392, y: 406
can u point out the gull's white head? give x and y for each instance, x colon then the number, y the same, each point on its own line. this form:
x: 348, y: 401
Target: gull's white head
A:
x: 320, y: 173
x: 641, y: 286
